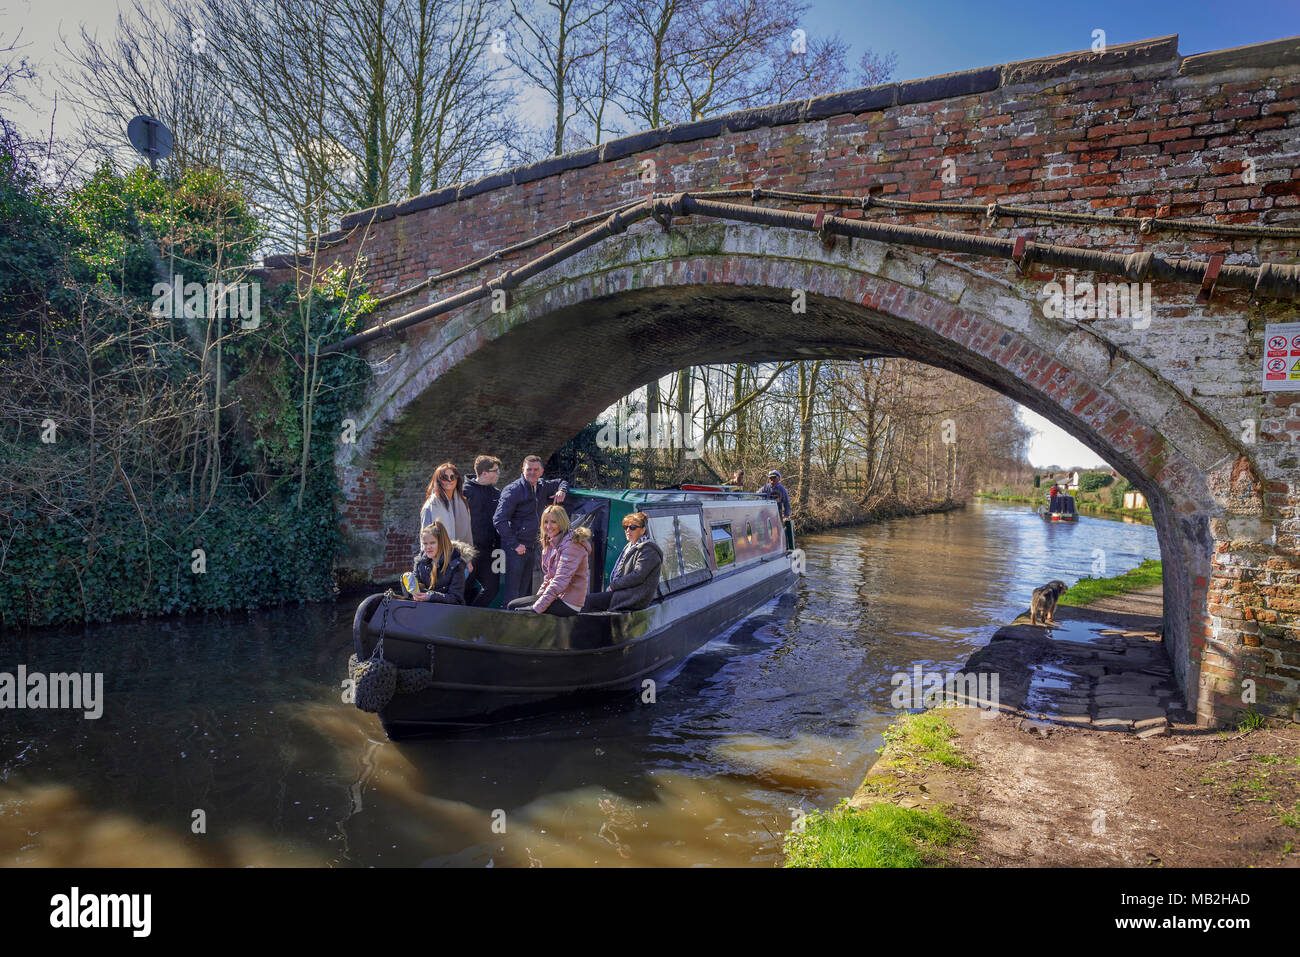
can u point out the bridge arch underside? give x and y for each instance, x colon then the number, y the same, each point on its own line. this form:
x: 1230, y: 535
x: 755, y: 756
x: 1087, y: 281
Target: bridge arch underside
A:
x: 530, y: 378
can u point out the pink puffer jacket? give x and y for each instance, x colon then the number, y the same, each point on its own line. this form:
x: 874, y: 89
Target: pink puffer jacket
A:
x: 566, y: 573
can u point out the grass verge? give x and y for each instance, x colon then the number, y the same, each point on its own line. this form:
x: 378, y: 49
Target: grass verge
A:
x: 885, y: 833
x: 1088, y: 590
x: 882, y: 835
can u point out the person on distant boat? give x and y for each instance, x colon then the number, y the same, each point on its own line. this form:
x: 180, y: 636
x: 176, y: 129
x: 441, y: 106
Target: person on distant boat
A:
x: 1052, y: 495
x: 566, y: 567
x: 774, y: 489
x: 445, y: 502
x: 440, y: 569
x: 518, y: 521
x: 737, y: 478
x: 482, y: 495
x: 635, y: 578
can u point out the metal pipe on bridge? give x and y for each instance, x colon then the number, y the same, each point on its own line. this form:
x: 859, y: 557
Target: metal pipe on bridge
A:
x: 1274, y: 280
x: 617, y: 222
x: 1269, y: 279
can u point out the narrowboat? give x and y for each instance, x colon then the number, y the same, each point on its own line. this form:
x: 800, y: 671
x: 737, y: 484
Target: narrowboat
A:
x: 1059, y: 509
x: 725, y: 553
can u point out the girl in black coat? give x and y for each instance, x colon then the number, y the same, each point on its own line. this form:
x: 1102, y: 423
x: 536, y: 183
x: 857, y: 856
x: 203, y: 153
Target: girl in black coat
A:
x: 440, y: 569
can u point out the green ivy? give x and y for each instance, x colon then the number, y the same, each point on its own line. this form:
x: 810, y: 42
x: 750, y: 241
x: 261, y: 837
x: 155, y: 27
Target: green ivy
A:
x: 247, y: 548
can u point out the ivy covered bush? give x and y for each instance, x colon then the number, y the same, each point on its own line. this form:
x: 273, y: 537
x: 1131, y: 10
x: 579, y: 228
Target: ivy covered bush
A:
x: 161, y: 463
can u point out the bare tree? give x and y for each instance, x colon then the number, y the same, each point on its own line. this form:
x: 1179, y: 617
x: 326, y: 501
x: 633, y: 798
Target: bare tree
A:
x: 555, y: 41
x: 602, y: 76
x: 876, y: 68
x: 318, y: 106
x: 462, y: 114
x: 15, y: 69
x: 688, y: 59
x: 154, y: 64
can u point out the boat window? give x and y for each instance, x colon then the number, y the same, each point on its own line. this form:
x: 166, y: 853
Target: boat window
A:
x: 680, y: 533
x: 692, y: 555
x: 663, y: 533
x: 749, y: 532
x: 724, y: 550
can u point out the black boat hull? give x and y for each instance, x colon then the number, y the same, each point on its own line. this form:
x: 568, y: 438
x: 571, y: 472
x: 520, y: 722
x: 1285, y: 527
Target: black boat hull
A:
x: 491, y: 665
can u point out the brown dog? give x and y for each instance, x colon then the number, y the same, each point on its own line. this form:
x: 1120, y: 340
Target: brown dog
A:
x: 1044, y: 602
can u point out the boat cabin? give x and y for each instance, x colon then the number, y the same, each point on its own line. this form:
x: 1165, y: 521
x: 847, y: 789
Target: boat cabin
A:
x: 705, y: 532
x: 1061, y: 508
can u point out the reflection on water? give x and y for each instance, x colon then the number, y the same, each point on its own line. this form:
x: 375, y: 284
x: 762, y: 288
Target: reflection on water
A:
x: 241, y: 718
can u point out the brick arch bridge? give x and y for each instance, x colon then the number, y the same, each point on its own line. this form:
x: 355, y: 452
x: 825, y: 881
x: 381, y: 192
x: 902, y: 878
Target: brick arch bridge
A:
x: 1175, y: 404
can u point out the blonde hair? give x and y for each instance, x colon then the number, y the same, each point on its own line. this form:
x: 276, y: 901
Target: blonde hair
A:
x: 439, y: 533
x: 580, y: 535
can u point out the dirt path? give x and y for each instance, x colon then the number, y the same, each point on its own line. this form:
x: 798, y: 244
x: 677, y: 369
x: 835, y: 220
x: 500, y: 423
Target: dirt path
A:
x: 1099, y: 792
x: 1089, y: 798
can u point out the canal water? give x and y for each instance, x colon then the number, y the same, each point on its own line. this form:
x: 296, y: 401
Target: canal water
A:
x: 225, y: 741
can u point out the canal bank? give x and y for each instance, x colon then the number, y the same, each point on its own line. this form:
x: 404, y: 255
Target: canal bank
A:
x: 1091, y: 760
x: 842, y: 513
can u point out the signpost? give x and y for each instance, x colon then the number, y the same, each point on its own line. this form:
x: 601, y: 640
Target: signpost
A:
x: 1282, y: 357
x: 150, y: 137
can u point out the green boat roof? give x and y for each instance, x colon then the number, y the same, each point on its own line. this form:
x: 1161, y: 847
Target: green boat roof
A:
x: 631, y: 495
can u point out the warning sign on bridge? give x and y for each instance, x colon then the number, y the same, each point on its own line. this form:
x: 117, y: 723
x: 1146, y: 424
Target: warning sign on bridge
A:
x: 1282, y: 356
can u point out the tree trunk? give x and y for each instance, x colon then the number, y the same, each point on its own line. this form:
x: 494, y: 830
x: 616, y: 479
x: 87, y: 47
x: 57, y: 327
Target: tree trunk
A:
x: 807, y: 388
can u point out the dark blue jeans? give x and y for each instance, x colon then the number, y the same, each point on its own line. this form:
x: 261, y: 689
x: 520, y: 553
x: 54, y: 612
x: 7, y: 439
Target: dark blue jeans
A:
x: 488, y: 579
x: 519, y: 574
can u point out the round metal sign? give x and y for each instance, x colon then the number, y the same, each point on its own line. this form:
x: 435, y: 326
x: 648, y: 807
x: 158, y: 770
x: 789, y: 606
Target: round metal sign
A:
x: 150, y: 137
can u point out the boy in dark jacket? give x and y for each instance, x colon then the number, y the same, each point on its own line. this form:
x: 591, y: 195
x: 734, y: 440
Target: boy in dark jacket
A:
x: 518, y: 519
x: 482, y: 495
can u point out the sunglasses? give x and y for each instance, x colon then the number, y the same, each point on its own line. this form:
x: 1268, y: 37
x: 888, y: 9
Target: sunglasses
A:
x: 446, y: 478
x: 628, y: 528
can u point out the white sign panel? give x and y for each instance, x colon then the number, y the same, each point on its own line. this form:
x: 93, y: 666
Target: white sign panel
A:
x: 1282, y: 356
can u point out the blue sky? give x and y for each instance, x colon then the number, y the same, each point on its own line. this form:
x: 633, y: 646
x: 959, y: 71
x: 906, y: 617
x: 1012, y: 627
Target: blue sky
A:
x: 942, y: 36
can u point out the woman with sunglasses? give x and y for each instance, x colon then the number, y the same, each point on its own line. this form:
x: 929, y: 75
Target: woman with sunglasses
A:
x: 635, y: 577
x: 445, y: 502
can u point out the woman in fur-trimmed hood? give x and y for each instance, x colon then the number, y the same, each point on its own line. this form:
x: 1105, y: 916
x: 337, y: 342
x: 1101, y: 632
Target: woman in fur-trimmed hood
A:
x: 442, y: 566
x: 566, y: 567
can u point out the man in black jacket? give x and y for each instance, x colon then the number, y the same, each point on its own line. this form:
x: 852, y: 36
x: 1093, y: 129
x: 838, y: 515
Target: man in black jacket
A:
x: 482, y: 495
x: 517, y: 519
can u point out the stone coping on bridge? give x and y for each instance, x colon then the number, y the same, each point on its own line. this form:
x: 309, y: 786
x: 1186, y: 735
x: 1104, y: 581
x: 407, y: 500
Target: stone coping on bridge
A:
x: 1265, y: 55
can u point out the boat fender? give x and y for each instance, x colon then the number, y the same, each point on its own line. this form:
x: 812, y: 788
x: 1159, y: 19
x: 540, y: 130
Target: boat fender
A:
x: 375, y: 679
x: 410, y: 680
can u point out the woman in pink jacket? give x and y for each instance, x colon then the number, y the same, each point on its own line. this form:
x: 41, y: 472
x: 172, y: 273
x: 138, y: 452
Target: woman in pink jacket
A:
x: 566, y: 567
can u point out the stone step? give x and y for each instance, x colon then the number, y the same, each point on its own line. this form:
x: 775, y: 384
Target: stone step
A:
x: 1123, y: 724
x: 1135, y: 712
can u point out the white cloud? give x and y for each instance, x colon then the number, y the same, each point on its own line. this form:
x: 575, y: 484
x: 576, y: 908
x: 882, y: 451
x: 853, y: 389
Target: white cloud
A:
x: 1051, y: 445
